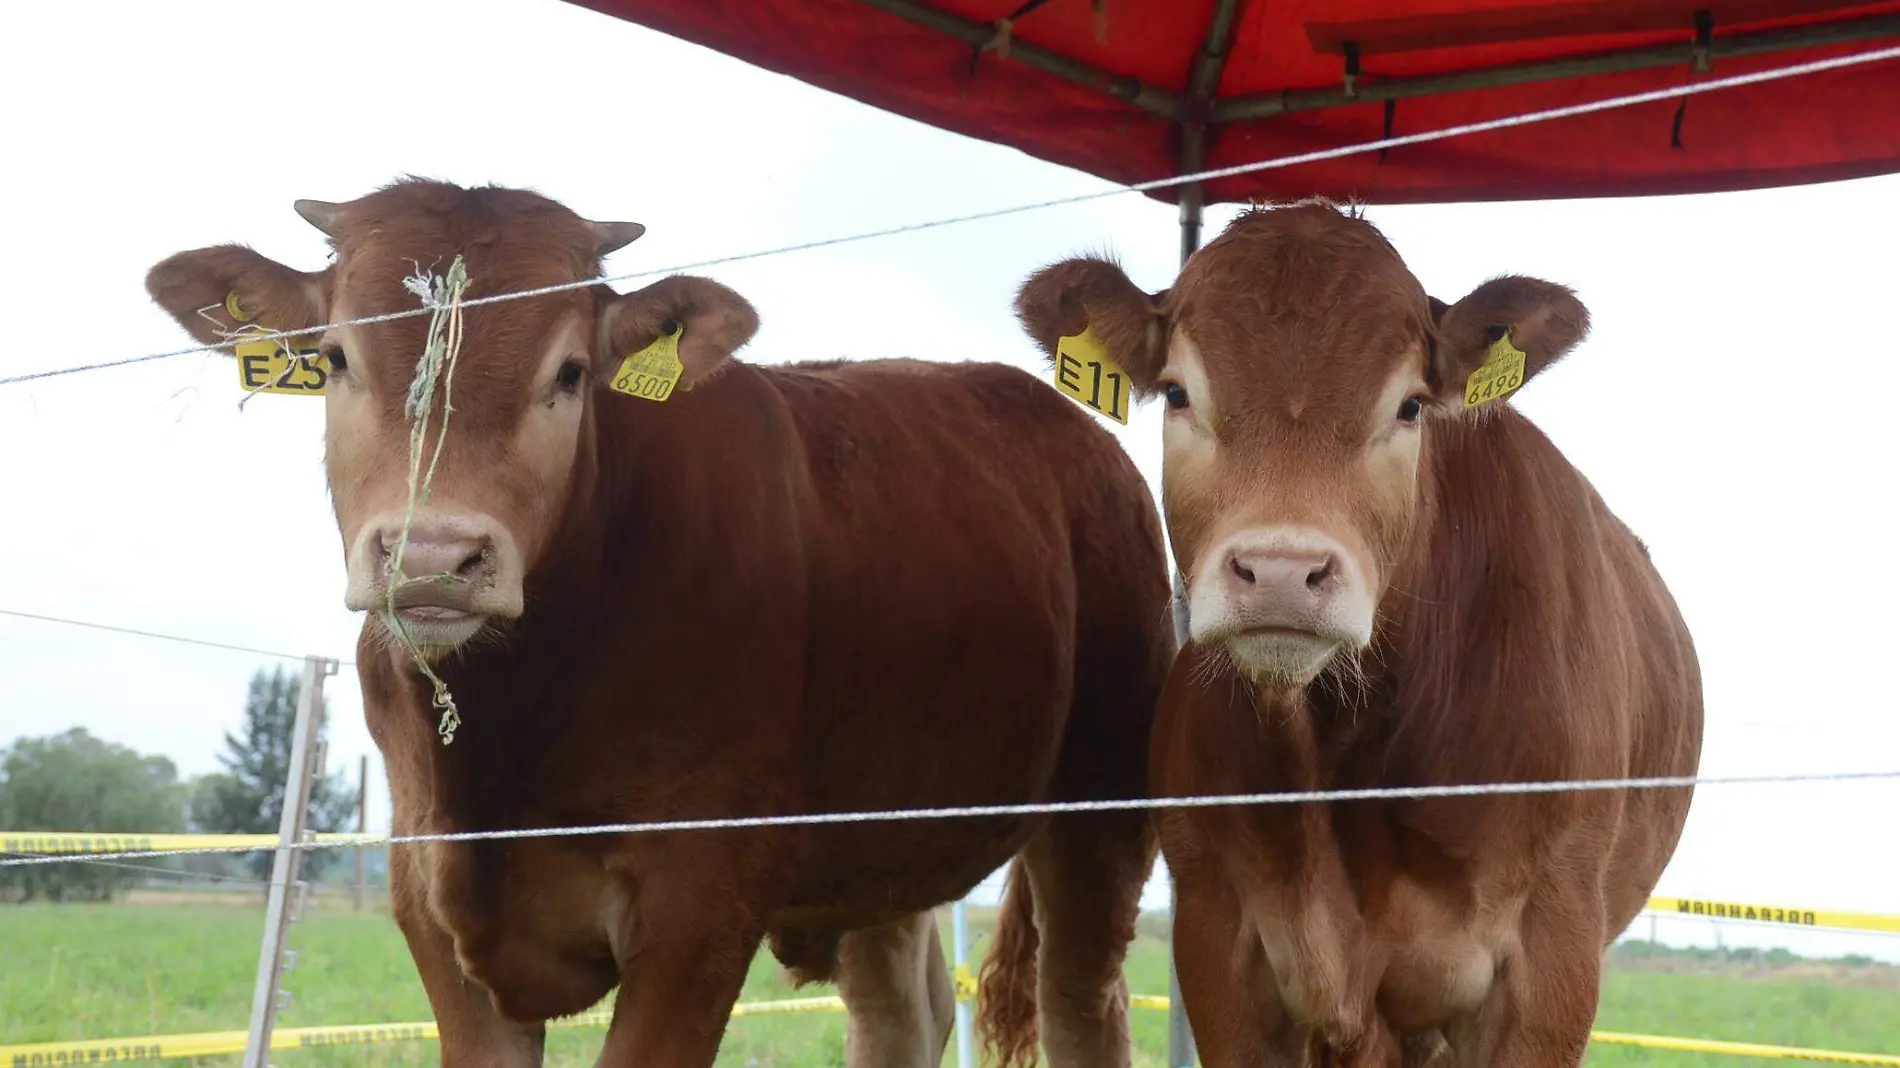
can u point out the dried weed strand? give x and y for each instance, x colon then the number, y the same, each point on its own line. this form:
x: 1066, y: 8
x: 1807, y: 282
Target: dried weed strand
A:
x: 443, y: 297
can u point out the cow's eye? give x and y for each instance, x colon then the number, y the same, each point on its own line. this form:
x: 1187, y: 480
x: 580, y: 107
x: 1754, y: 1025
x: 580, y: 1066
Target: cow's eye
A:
x: 339, y: 362
x: 1177, y: 397
x: 1409, y: 411
x: 569, y: 375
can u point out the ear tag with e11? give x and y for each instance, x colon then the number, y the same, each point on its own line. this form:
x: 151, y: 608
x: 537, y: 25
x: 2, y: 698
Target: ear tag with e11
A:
x: 1086, y: 372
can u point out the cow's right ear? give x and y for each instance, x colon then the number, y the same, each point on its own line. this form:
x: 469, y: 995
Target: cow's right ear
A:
x: 1063, y: 299
x: 214, y: 291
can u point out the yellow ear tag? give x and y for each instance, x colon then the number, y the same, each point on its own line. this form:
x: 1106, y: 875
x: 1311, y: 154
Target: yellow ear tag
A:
x: 1500, y: 374
x: 651, y: 373
x: 1086, y: 372
x: 234, y: 309
x: 285, y: 365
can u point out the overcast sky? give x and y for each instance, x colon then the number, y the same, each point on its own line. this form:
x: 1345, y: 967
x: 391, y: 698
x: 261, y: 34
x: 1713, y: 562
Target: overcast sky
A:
x: 1734, y: 404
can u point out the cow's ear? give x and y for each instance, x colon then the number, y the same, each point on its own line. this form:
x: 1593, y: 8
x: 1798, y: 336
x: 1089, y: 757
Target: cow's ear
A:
x: 1500, y: 336
x: 716, y: 322
x: 1063, y: 299
x: 214, y: 291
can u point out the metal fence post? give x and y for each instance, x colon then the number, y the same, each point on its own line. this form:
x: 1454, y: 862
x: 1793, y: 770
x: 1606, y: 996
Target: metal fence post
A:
x: 1180, y: 1036
x: 272, y: 960
x: 362, y: 826
x: 1205, y: 78
x: 960, y: 957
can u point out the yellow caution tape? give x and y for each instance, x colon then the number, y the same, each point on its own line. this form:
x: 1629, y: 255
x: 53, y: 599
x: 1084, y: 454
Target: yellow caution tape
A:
x: 760, y: 1008
x: 1744, y: 1049
x: 117, y: 842
x: 963, y: 982
x: 206, y: 1044
x: 1686, y: 1045
x: 1784, y: 915
x: 215, y: 1043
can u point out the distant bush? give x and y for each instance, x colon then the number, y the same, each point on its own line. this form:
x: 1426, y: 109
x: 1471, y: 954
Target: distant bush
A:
x: 75, y: 782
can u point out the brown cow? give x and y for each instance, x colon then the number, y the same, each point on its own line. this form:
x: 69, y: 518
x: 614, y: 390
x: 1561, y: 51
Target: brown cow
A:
x: 1389, y: 587
x: 816, y: 588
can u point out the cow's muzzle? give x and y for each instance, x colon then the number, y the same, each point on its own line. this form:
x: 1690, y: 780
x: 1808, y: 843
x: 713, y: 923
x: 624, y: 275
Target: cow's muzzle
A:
x: 440, y: 582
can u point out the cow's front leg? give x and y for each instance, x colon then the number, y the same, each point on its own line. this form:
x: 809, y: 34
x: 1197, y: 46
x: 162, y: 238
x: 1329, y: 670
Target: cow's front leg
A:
x: 696, y: 920
x: 1539, y: 1011
x: 473, y: 1034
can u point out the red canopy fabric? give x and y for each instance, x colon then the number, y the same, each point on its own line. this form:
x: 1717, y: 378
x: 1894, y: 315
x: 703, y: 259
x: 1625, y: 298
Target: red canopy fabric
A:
x: 914, y: 57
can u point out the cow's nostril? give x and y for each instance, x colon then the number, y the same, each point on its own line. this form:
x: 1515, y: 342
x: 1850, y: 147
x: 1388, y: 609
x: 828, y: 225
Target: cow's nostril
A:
x: 472, y: 566
x: 1317, y: 578
x: 1246, y: 575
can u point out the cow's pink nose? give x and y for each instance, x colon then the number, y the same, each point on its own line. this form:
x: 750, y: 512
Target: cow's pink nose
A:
x: 428, y: 554
x: 1297, y: 581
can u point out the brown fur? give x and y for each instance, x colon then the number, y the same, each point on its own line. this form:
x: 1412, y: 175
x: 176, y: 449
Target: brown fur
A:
x: 825, y: 588
x: 1520, y: 634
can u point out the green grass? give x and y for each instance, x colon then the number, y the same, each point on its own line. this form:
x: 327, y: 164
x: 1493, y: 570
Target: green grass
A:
x: 106, y: 971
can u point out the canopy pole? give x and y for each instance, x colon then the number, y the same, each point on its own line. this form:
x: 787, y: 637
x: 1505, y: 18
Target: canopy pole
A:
x: 1191, y: 213
x: 1203, y: 87
x: 1180, y: 1036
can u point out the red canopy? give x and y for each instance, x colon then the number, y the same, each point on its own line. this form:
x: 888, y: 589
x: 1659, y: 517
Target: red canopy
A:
x: 1127, y: 89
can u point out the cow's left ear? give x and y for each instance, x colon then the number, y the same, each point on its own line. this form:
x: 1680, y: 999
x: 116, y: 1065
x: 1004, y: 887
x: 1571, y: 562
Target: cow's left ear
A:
x: 1500, y: 336
x: 716, y: 322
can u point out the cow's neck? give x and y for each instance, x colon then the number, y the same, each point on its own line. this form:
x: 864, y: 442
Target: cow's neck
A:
x: 629, y: 569
x: 516, y: 689
x: 1304, y: 741
x: 1325, y: 736
x: 514, y: 693
x: 1468, y: 608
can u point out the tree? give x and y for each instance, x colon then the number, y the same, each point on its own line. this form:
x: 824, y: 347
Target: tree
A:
x: 75, y: 782
x: 248, y: 796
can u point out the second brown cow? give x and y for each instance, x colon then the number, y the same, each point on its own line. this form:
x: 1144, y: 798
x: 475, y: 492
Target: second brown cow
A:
x: 1395, y: 580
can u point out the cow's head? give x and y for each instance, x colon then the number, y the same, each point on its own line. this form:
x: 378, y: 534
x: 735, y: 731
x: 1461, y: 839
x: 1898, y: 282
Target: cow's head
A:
x: 1305, y: 372
x: 527, y: 376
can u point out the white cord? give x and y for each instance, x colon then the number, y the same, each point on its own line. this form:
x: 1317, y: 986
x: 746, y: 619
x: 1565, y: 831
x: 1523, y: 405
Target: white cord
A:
x: 1487, y: 126
x: 1388, y: 793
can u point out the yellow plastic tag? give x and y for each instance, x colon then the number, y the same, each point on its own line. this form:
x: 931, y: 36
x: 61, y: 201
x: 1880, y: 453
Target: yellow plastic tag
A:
x: 1086, y: 372
x: 286, y: 365
x: 1500, y: 374
x: 651, y: 373
x: 234, y: 309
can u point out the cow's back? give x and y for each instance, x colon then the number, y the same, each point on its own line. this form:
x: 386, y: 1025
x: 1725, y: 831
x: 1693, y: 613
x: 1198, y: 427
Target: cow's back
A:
x: 988, y: 599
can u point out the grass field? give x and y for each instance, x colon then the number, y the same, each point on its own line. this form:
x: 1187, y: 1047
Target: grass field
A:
x: 106, y: 971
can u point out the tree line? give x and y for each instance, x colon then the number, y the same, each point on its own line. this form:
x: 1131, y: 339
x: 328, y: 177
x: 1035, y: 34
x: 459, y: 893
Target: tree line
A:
x: 73, y: 781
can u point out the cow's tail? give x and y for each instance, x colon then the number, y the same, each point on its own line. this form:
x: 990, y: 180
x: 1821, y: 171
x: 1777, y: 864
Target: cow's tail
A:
x: 1006, y: 990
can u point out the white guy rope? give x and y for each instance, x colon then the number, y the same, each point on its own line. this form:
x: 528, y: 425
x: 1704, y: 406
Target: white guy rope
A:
x: 1383, y: 793
x: 1487, y: 126
x: 36, y: 617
